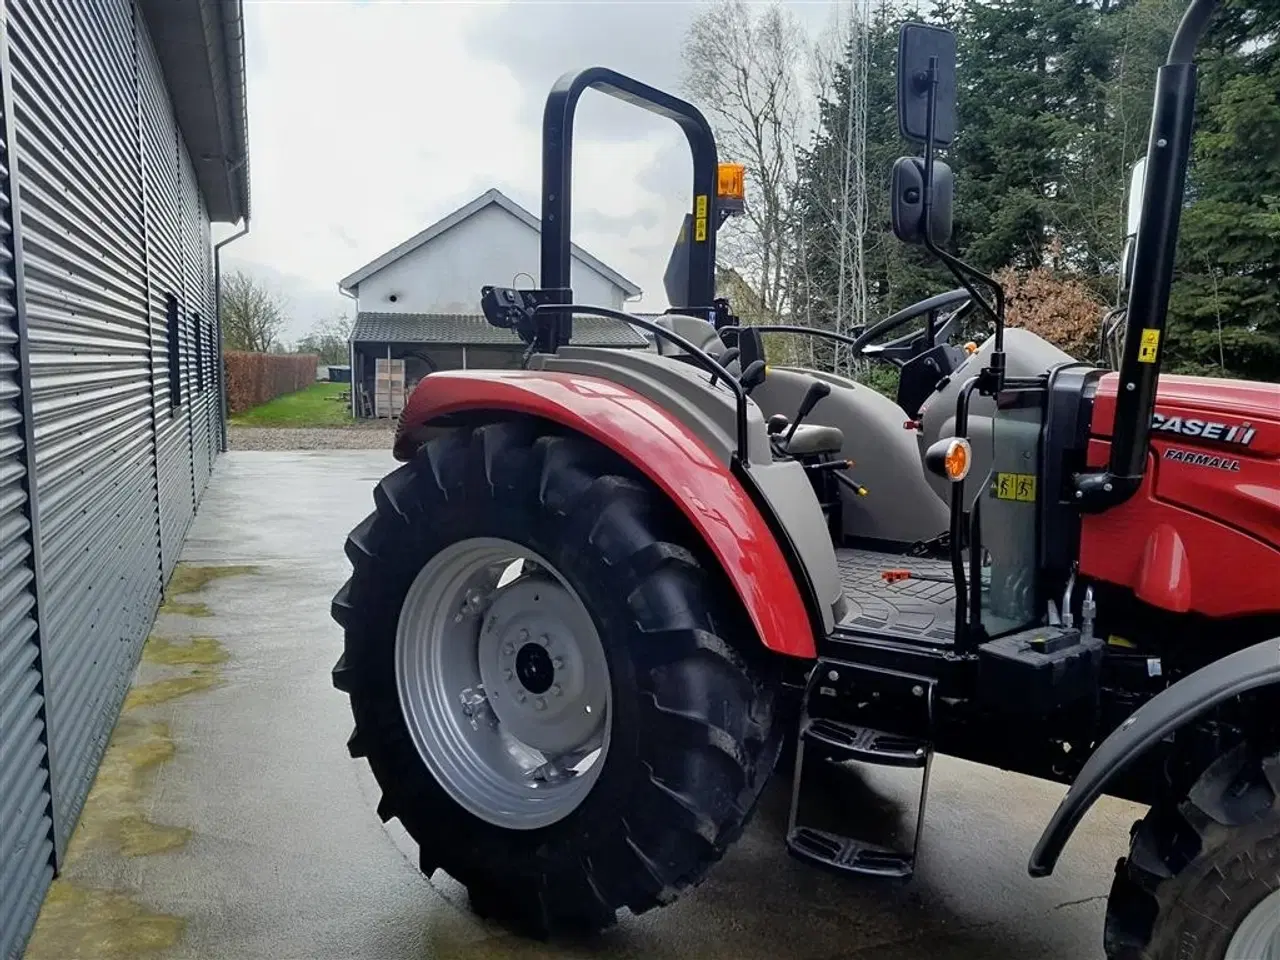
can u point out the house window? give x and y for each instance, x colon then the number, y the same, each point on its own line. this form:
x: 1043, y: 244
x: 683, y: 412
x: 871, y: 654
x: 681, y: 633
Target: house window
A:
x: 198, y: 330
x: 173, y: 322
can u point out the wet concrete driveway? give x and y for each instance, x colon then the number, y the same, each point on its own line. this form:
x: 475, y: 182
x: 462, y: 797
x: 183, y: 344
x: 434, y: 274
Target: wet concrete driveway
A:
x: 229, y: 822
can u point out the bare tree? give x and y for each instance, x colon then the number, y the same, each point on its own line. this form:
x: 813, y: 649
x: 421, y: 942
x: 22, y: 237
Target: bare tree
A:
x: 328, y: 339
x: 745, y: 67
x: 252, y: 316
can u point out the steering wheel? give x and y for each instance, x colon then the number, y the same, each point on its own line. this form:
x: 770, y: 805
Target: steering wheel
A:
x: 937, y: 328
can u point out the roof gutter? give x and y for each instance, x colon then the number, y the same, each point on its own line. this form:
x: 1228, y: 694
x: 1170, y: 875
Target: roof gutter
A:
x: 234, y: 43
x: 217, y: 309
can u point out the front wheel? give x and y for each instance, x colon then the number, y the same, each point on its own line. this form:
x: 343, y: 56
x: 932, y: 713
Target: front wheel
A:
x: 540, y: 669
x: 1202, y: 879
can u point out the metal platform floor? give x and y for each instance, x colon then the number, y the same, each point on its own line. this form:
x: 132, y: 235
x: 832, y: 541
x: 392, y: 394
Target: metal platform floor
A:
x: 922, y: 609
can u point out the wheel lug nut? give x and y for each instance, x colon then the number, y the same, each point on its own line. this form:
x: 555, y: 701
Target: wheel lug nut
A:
x: 508, y: 648
x: 520, y: 696
x: 524, y: 634
x: 544, y: 640
x: 540, y: 703
x: 507, y: 674
x: 555, y: 689
x: 558, y: 663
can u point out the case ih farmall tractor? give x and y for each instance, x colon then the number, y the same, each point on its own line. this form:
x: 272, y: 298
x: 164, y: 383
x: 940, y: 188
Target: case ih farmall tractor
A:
x: 606, y: 592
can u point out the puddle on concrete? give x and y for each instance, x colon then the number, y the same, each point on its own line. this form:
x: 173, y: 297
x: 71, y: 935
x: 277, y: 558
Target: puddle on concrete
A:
x: 81, y: 922
x: 78, y: 920
x: 196, y: 650
x: 186, y: 609
x: 188, y: 578
x: 161, y: 691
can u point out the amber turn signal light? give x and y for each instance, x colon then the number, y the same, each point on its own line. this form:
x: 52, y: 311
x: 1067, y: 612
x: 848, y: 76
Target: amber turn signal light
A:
x: 949, y: 458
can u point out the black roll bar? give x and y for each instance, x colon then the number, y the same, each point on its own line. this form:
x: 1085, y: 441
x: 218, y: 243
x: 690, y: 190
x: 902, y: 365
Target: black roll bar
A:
x: 1168, y: 155
x: 557, y: 178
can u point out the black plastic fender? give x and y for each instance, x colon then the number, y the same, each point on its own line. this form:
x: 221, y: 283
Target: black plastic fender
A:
x: 1240, y: 672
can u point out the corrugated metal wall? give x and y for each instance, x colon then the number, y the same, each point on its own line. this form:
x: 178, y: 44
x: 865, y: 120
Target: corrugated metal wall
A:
x: 164, y: 230
x: 26, y: 839
x: 111, y: 228
x: 75, y: 111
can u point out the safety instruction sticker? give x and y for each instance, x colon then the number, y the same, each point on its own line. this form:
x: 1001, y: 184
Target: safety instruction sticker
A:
x: 1149, y: 346
x: 1015, y: 486
x: 700, y: 218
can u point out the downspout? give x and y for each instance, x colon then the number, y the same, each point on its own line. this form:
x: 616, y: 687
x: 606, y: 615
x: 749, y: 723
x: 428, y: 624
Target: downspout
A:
x: 351, y: 347
x: 217, y: 287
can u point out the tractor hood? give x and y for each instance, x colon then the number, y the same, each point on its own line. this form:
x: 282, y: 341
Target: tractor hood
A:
x: 1204, y: 410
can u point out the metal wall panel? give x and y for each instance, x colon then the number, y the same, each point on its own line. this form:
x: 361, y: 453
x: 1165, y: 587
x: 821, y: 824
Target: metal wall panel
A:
x: 75, y: 112
x: 195, y: 279
x: 160, y: 151
x: 26, y: 839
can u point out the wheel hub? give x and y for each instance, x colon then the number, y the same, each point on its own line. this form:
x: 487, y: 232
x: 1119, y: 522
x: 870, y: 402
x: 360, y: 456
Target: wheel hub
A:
x: 535, y: 670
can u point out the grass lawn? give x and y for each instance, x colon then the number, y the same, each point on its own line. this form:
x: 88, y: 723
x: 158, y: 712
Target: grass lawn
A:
x: 314, y: 406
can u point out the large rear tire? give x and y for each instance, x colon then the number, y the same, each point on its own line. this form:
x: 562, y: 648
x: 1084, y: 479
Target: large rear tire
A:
x: 1202, y: 878
x: 689, y: 740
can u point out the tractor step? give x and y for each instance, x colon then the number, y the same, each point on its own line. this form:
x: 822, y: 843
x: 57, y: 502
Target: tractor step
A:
x: 846, y: 689
x: 844, y: 741
x: 849, y: 855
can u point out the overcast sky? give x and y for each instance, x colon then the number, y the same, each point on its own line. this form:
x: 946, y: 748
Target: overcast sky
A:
x: 371, y: 119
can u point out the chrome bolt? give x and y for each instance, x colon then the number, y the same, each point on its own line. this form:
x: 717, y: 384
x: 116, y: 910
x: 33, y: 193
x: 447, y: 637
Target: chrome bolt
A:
x: 833, y: 675
x: 540, y: 703
x: 555, y: 689
x: 1079, y: 494
x: 558, y: 662
x: 508, y: 648
x: 544, y: 640
x: 524, y: 635
x: 1107, y: 487
x: 507, y: 674
x: 520, y: 696
x: 917, y: 691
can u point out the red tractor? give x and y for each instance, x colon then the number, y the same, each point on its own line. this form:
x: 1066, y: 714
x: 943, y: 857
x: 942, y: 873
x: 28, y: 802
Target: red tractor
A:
x: 607, y: 592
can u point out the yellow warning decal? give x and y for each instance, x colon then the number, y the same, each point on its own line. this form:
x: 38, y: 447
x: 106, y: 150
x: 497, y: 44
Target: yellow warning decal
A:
x: 700, y: 206
x: 1149, y: 346
x: 1016, y: 486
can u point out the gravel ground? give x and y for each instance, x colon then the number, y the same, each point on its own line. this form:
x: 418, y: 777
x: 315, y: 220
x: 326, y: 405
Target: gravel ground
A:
x: 370, y: 435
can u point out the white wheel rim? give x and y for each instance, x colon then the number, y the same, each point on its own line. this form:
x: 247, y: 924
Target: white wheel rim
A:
x: 1258, y: 936
x: 503, y: 683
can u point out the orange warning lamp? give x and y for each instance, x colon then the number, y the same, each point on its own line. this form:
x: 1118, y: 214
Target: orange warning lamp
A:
x: 731, y: 187
x: 949, y: 458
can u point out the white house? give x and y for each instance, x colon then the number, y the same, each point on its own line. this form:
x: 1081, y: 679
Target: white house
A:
x: 491, y: 240
x: 420, y: 301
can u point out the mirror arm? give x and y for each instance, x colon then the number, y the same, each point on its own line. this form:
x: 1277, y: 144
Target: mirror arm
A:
x: 960, y: 270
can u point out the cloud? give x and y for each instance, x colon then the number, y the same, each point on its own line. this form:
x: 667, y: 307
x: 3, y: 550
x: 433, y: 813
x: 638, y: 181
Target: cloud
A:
x: 370, y: 120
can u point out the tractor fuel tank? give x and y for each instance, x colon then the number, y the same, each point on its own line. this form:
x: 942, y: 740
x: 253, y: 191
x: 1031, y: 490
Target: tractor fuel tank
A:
x: 1202, y: 533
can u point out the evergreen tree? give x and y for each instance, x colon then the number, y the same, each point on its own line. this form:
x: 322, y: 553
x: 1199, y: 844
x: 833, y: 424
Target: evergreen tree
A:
x: 1224, y: 315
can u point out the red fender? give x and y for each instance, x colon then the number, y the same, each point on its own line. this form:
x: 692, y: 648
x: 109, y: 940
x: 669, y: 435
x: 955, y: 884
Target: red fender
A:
x: 666, y: 451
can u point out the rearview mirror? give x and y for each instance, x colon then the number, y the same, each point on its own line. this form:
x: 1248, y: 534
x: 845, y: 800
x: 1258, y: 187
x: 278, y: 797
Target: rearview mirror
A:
x: 1133, y: 217
x: 906, y: 205
x: 919, y: 47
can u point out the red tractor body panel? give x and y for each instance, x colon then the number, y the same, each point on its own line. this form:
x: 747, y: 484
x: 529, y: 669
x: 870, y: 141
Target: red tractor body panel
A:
x: 1202, y: 533
x: 666, y: 451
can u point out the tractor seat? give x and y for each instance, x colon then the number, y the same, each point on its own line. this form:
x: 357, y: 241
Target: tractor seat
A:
x: 813, y: 440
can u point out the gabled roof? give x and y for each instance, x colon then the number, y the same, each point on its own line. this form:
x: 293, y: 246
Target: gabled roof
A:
x: 497, y: 197
x: 473, y: 330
